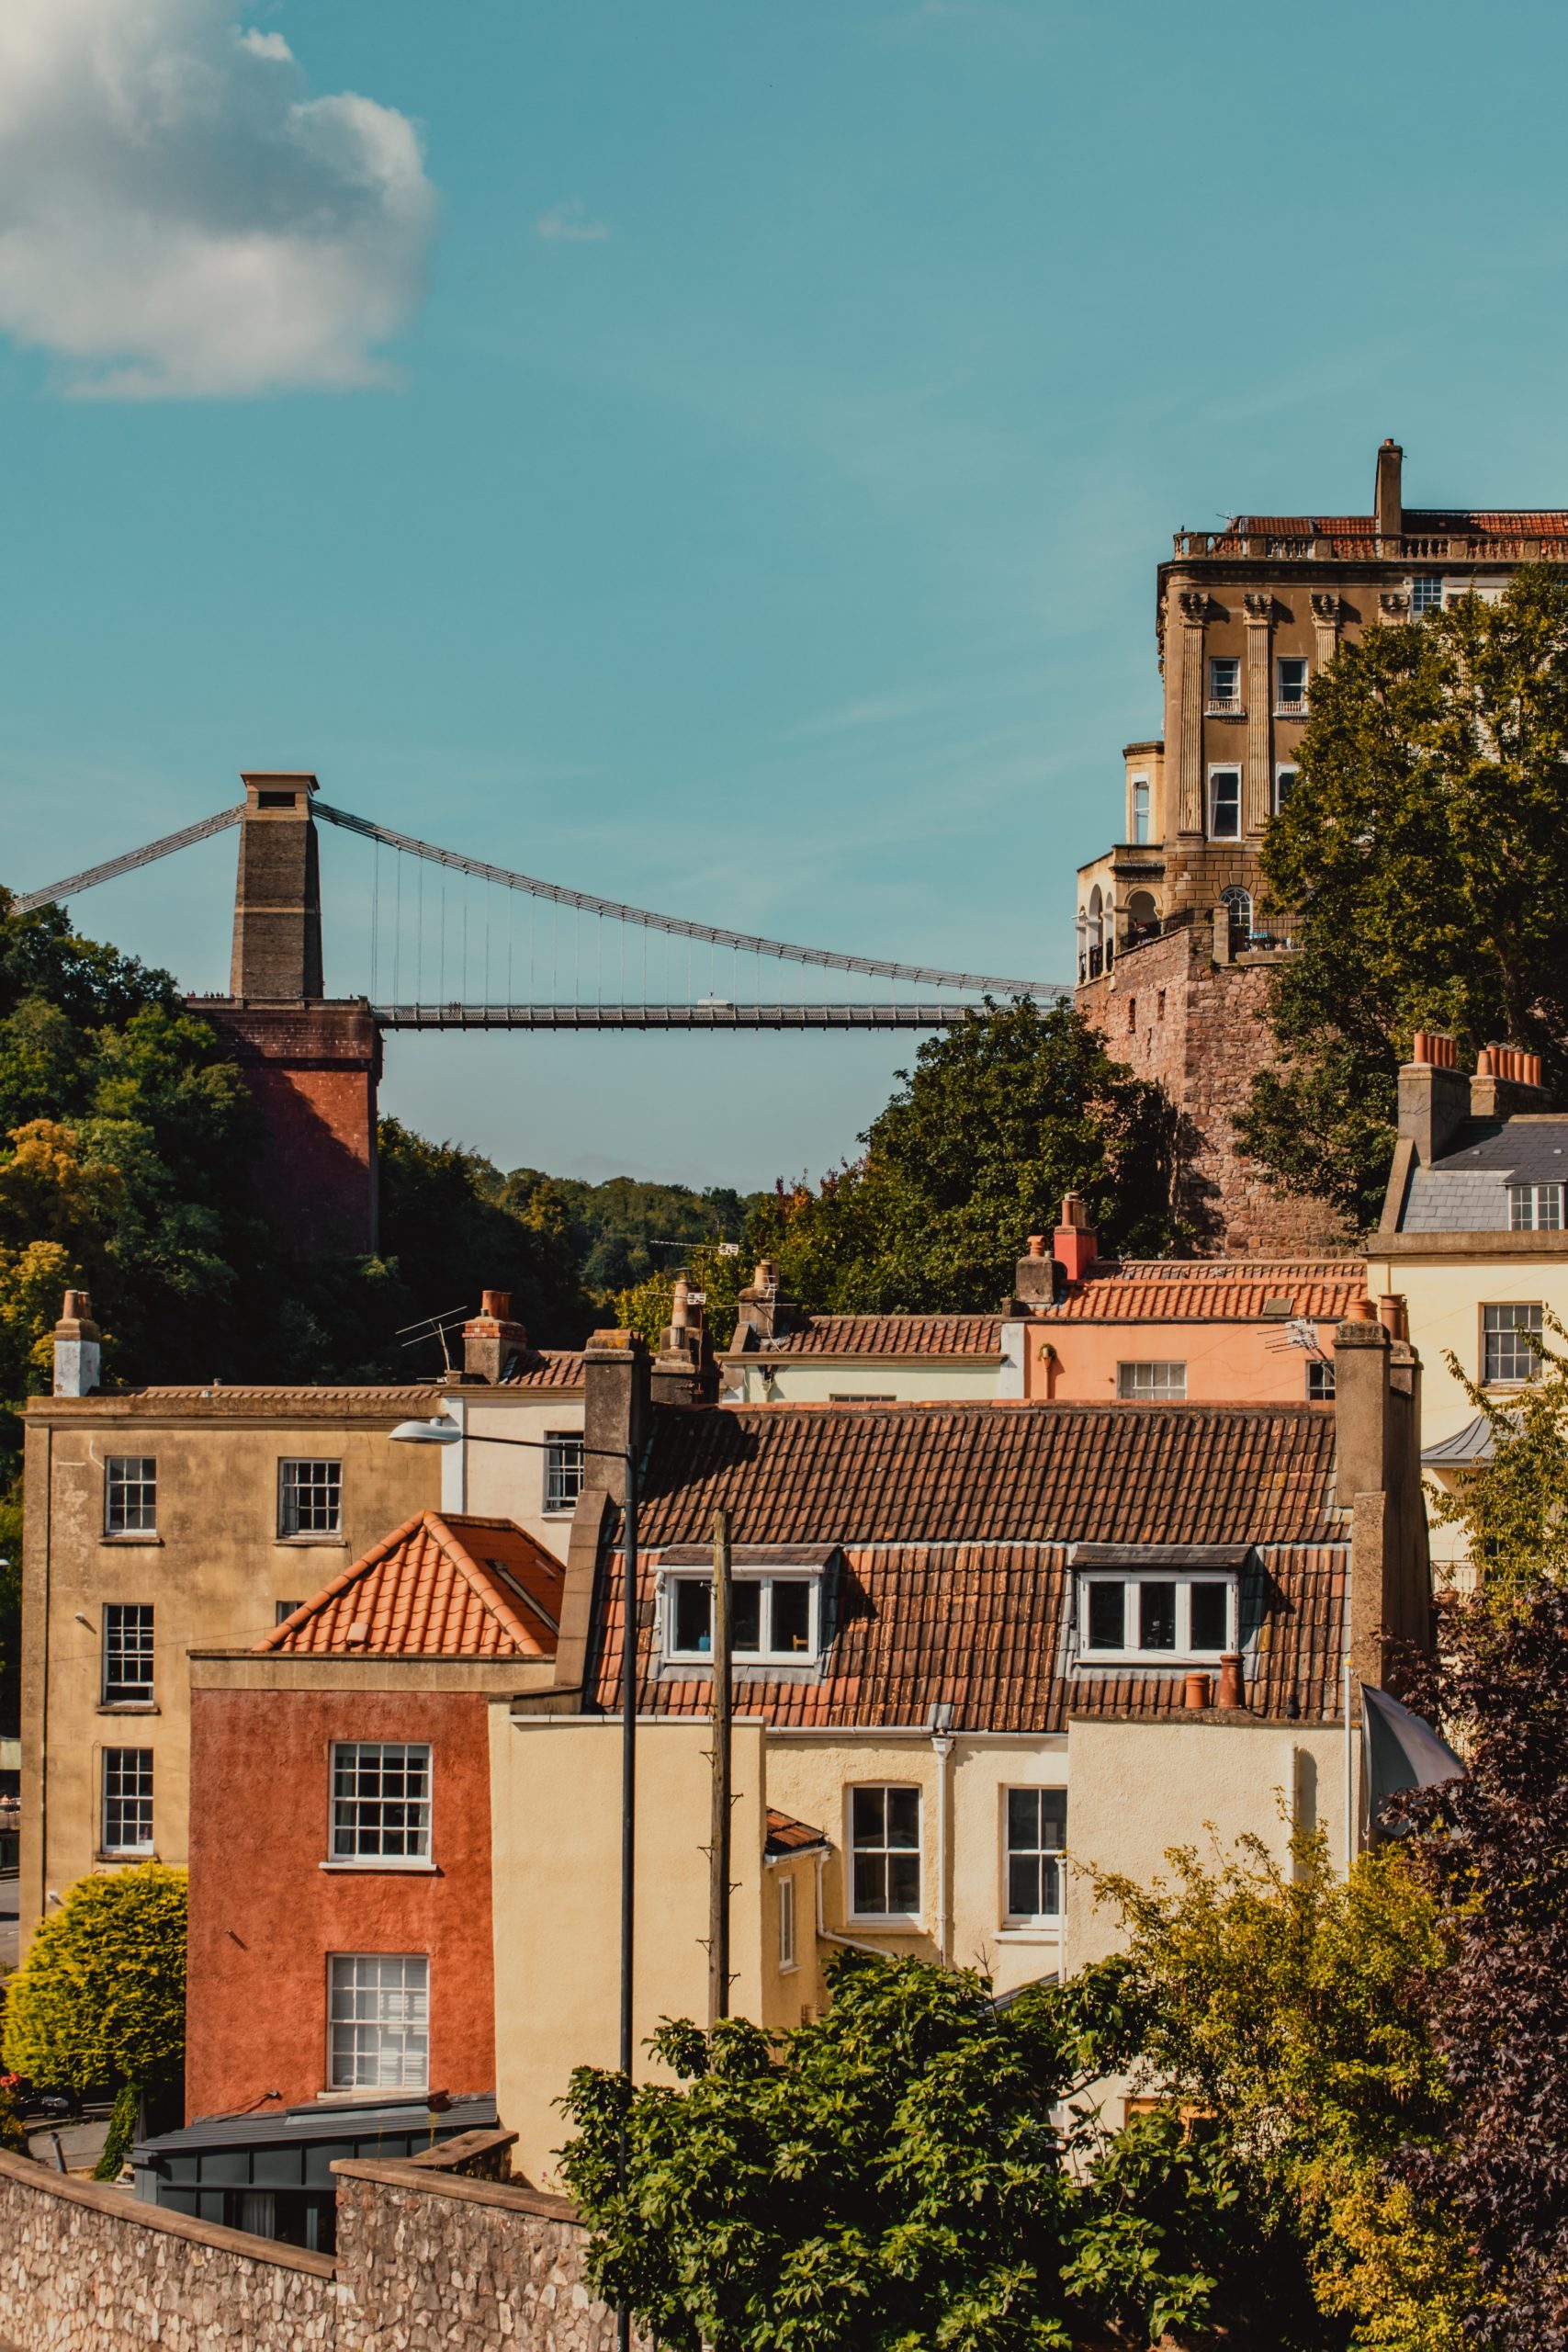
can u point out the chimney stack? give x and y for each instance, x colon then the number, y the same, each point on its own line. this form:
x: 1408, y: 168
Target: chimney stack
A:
x: 614, y: 1408
x: 1077, y: 1244
x: 78, y: 1347
x: 762, y: 1312
x: 1377, y: 1482
x: 1389, y: 499
x: 1038, y: 1279
x: 491, y: 1339
x: 684, y: 1371
x: 1434, y: 1097
x: 1507, y: 1081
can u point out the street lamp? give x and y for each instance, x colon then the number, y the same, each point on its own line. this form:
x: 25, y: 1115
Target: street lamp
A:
x: 443, y: 1430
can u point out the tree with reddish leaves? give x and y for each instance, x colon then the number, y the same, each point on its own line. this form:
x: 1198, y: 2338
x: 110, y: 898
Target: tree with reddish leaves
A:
x: 1494, y: 1846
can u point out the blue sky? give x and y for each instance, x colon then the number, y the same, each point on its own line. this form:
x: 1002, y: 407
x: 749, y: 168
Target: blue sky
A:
x: 714, y: 455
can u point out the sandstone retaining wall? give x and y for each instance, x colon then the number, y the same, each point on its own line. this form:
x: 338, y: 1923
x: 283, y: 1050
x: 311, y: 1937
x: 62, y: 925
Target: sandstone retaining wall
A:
x: 430, y: 2258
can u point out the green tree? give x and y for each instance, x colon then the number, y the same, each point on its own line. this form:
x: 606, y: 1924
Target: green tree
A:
x: 1423, y: 859
x: 898, y: 2175
x: 1287, y: 2005
x: 101, y: 1997
x: 627, y: 1229
x: 994, y: 1124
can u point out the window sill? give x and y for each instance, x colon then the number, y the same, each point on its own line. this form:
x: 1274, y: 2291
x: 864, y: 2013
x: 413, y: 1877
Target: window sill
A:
x: 892, y: 1923
x: 308, y: 1543
x: 131, y: 1538
x: 789, y: 1967
x: 1224, y: 710
x: 384, y: 1865
x: 127, y: 1854
x: 386, y: 2095
x: 1158, y: 1661
x: 129, y: 1707
x: 567, y: 1510
x: 1045, y: 1933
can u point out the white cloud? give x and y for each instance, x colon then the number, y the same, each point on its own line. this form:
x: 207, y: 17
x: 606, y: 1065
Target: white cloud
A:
x: 569, y: 224
x: 179, y: 217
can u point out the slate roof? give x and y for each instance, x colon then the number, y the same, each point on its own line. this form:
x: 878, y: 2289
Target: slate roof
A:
x: 1199, y: 1291
x: 543, y: 1368
x: 439, y: 1586
x: 1476, y: 1442
x: 892, y: 1335
x: 992, y: 1472
x: 985, y: 1628
x: 1467, y: 1189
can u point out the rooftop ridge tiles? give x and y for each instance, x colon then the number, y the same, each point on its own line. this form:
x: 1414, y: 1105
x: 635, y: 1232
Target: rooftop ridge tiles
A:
x: 426, y: 1527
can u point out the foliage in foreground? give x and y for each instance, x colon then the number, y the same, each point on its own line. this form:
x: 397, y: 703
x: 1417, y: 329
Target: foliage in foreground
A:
x: 1291, y: 2006
x: 1513, y: 1510
x: 1494, y: 1849
x: 1424, y: 861
x: 101, y: 1997
x: 897, y: 2176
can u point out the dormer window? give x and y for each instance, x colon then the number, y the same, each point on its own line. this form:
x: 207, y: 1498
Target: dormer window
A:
x: 1151, y: 1615
x: 1535, y: 1209
x: 776, y: 1618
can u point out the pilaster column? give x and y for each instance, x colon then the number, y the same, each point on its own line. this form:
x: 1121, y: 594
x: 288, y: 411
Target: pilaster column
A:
x: 1189, y: 762
x: 1260, y: 710
x: 1326, y: 628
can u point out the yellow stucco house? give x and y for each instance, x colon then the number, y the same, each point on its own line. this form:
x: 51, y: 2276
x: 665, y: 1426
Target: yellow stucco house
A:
x: 977, y: 1646
x: 1473, y: 1238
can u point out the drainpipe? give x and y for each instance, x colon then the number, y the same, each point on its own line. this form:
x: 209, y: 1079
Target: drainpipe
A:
x: 940, y: 1722
x: 824, y: 1933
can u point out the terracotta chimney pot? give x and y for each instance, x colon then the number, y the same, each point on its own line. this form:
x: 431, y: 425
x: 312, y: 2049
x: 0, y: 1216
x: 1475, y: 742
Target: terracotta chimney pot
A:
x: 1360, y: 1310
x: 1037, y: 1245
x: 1232, y: 1690
x: 1393, y: 1313
x: 1195, y: 1692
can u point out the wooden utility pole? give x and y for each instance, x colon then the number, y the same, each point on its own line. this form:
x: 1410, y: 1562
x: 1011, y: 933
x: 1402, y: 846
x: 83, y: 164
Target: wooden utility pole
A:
x: 718, y: 1830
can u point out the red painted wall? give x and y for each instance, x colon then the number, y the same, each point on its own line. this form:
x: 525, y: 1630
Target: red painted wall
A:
x: 265, y: 1915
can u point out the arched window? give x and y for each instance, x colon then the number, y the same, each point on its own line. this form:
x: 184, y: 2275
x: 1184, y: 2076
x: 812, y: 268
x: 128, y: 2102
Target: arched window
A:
x: 1143, y: 916
x: 1096, y: 932
x: 1239, y: 902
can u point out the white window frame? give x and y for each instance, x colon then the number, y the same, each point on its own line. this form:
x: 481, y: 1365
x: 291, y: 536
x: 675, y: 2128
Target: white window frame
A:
x: 123, y: 1472
x: 1024, y: 1919
x: 291, y: 1488
x: 364, y: 1977
x: 117, y: 1692
x: 1500, y: 1332
x: 1218, y: 699
x: 344, y: 1851
x: 1535, y: 1209
x: 1140, y: 818
x: 1218, y: 769
x: 1285, y: 768
x: 1182, y: 1652
x: 766, y: 1654
x: 854, y: 1850
x: 1152, y: 1390
x: 1320, y: 1380
x: 1432, y: 602
x: 1290, y: 705
x: 143, y: 1795
x: 564, y: 1460
x: 788, y: 1959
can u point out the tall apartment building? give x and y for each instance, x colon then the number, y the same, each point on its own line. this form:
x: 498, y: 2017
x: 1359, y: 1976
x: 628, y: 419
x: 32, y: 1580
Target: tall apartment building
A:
x: 1174, y: 952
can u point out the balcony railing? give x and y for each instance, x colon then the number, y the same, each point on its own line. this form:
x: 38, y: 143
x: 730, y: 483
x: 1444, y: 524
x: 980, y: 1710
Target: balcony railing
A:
x: 1296, y: 709
x: 1224, y: 706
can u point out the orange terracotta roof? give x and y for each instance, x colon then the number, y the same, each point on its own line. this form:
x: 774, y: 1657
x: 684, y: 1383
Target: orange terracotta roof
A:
x: 891, y: 1335
x: 982, y: 1628
x: 440, y: 1585
x: 1206, y: 1291
x: 787, y: 1835
x: 992, y: 1472
x: 544, y: 1368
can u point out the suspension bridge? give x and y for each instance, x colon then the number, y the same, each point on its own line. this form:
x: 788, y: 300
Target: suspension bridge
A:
x: 523, y: 953
x: 458, y: 942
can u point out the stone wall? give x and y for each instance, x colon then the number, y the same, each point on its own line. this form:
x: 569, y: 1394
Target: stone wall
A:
x: 430, y: 2258
x: 1197, y: 1028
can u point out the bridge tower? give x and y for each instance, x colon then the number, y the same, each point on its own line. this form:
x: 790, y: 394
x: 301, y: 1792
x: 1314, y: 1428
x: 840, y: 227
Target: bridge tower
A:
x: 312, y: 1062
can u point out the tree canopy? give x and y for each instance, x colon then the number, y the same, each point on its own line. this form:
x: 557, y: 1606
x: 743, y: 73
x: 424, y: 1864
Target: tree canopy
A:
x: 100, y: 1997
x: 898, y: 2175
x: 1423, y: 859
x: 997, y: 1121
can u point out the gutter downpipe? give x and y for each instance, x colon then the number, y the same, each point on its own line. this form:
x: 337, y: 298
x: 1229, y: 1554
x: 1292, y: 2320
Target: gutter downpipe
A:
x: 942, y: 1748
x: 824, y: 1933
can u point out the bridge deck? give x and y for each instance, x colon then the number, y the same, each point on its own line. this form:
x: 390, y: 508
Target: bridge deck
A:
x: 710, y: 1014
